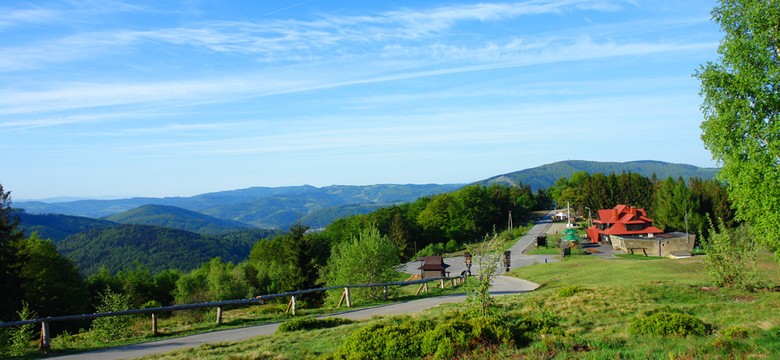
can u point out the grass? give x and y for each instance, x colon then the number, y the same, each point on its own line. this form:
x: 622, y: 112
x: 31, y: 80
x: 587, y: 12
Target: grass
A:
x: 186, y: 323
x: 590, y: 302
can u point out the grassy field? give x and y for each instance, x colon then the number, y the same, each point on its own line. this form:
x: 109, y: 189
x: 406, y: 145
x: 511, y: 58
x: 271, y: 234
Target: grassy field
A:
x: 589, y: 304
x: 184, y: 323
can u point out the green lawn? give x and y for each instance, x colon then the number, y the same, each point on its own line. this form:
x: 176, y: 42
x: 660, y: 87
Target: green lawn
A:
x: 590, y: 303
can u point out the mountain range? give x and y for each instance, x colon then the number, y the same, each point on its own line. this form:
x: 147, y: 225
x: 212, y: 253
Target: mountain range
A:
x: 117, y: 233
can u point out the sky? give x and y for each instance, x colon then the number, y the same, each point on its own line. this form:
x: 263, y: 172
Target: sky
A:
x: 112, y: 98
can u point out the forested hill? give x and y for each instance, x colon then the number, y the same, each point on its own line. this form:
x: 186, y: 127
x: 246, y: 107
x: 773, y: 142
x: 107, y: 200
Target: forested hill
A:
x: 57, y: 227
x: 542, y: 177
x: 156, y: 248
x: 176, y: 218
x: 263, y: 207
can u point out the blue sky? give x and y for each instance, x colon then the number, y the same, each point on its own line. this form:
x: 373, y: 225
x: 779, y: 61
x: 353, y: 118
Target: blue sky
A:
x: 177, y: 98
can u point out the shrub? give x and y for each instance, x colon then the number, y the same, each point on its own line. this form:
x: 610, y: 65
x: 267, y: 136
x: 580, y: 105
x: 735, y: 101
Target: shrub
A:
x: 310, y: 323
x: 398, y: 338
x: 20, y: 337
x: 731, y: 338
x: 405, y: 337
x: 447, y: 338
x: 569, y: 291
x: 664, y: 323
x: 112, y: 327
x: 731, y: 258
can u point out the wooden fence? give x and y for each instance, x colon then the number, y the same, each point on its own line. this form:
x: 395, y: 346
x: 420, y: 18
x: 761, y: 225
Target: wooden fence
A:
x: 291, y: 308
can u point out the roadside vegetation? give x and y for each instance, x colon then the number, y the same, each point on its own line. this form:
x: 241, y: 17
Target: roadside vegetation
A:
x: 586, y: 308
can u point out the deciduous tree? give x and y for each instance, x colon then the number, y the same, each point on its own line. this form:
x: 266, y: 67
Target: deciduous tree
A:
x: 741, y: 108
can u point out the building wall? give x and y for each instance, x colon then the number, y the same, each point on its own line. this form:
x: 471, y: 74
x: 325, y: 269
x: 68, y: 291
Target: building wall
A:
x: 658, y: 246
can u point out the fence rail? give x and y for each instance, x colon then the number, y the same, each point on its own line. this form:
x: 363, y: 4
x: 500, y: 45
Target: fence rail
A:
x: 44, y: 343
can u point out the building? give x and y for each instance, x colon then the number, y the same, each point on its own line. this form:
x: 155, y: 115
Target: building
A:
x: 675, y: 245
x: 432, y: 267
x: 623, y: 220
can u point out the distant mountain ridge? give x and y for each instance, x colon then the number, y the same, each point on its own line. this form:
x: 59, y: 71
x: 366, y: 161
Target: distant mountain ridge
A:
x: 262, y: 207
x: 544, y: 176
x: 279, y: 207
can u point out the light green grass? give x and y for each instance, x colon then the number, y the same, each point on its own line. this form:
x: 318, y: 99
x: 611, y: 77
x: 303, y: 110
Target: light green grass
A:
x: 593, y: 320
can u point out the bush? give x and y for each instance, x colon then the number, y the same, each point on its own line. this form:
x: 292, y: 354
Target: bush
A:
x: 431, y: 250
x: 731, y: 258
x: 310, y: 323
x: 569, y: 291
x: 402, y: 338
x: 397, y: 338
x: 112, y: 327
x: 731, y: 338
x: 664, y: 323
x: 447, y: 338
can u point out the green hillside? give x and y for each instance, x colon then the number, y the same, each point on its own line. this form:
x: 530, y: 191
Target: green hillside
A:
x: 57, y: 226
x: 544, y: 176
x: 176, y: 218
x: 157, y: 248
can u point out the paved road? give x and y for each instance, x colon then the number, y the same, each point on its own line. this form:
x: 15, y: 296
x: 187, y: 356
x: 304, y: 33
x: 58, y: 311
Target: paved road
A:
x: 502, y: 285
x: 518, y: 256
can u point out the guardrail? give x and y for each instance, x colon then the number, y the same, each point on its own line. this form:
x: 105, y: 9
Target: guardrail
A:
x: 45, y: 333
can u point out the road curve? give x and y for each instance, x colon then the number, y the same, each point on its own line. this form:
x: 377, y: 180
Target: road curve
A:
x: 502, y: 285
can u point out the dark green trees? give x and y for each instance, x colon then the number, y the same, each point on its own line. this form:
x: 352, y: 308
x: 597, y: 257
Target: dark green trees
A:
x: 10, y: 260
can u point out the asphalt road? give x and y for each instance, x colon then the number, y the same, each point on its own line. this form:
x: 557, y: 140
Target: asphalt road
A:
x: 502, y: 285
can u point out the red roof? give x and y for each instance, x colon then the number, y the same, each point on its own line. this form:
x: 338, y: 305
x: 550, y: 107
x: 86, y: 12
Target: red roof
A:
x: 616, y: 220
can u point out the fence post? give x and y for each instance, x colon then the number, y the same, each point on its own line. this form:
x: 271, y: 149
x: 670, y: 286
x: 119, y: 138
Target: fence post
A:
x: 384, y: 292
x: 219, y: 315
x: 346, y: 292
x: 441, y: 282
x: 292, y: 305
x: 154, y: 324
x: 45, y: 343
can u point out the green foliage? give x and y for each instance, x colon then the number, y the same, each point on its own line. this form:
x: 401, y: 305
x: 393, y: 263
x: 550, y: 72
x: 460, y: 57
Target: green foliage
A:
x: 20, y: 338
x: 487, y: 256
x: 311, y: 323
x: 544, y: 177
x: 111, y: 327
x: 664, y: 323
x: 402, y: 338
x: 289, y: 262
x: 10, y: 259
x: 741, y: 109
x: 176, y: 218
x: 731, y: 258
x: 51, y: 283
x: 213, y: 281
x: 447, y: 339
x: 394, y: 339
x: 431, y: 250
x: 58, y: 226
x: 570, y: 291
x: 369, y: 257
x: 156, y: 248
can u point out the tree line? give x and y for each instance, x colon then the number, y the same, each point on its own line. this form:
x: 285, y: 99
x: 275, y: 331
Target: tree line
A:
x: 674, y: 204
x: 354, y: 249
x: 49, y: 284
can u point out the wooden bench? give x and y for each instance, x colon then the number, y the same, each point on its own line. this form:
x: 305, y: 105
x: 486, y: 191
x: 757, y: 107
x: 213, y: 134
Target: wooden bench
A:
x: 644, y: 251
